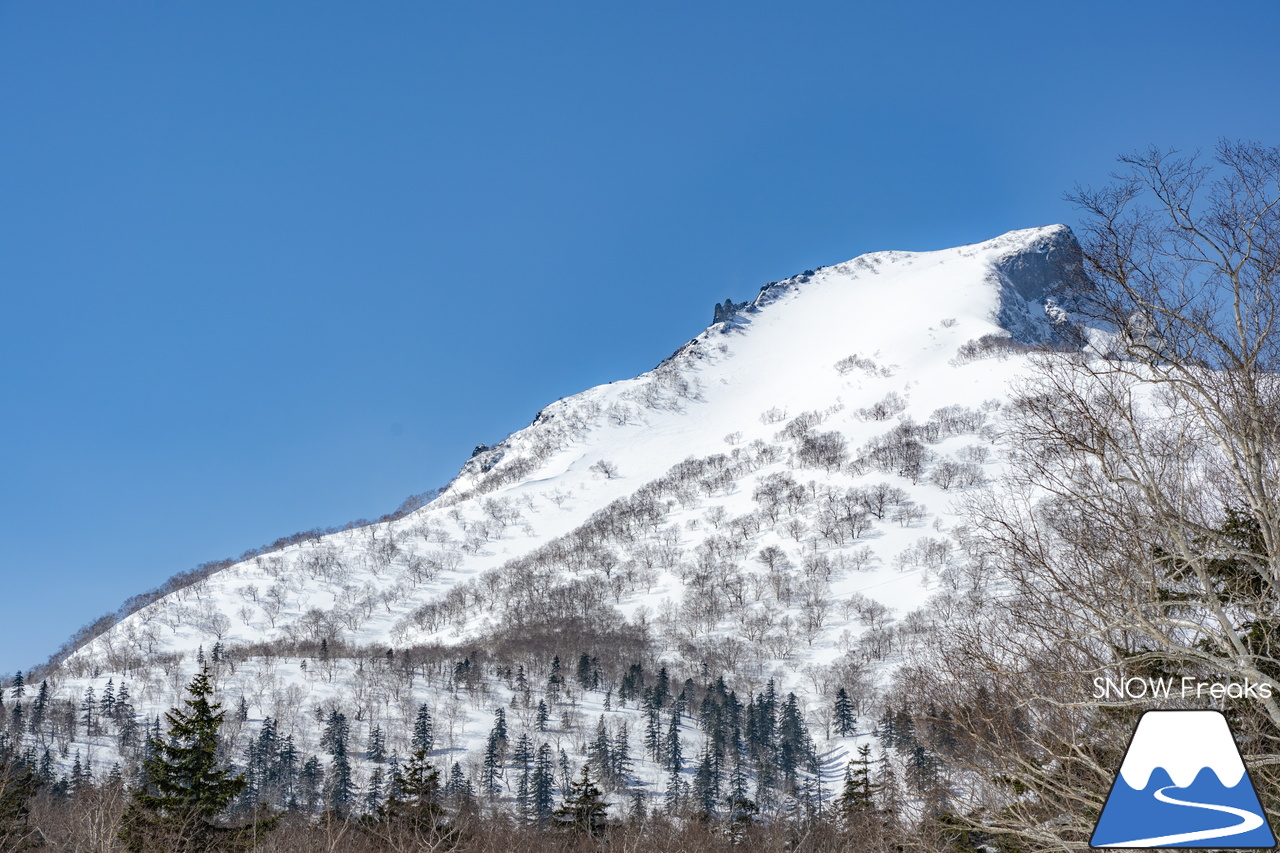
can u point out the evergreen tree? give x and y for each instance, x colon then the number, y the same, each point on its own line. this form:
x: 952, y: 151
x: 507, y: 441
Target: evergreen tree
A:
x: 336, y: 732
x: 857, y: 800
x: 259, y: 755
x: 522, y: 755
x: 922, y: 773
x: 89, y: 712
x: 413, y: 800
x: 675, y: 760
x: 459, y: 786
x: 126, y: 719
x: 284, y: 771
x: 675, y: 793
x: 742, y: 809
x: 598, y: 751
x: 39, y: 707
x: 492, y: 766
x: 795, y: 747
x: 652, y: 729
x: 377, y: 751
x: 706, y: 785
x: 340, y: 789
x: 18, y: 784
x: 542, y: 786
x: 123, y: 702
x: 176, y: 807
x: 500, y: 728
x: 81, y: 779
x: 524, y: 808
x: 844, y: 719
x: 886, y: 787
x: 522, y: 682
x: 341, y: 785
x: 620, y: 757
x: 661, y: 690
x: 107, y: 707
x: 310, y: 783
x: 555, y: 681
x: 632, y: 683
x: 423, y: 736
x: 373, y: 792
x: 522, y: 758
x: 584, y: 807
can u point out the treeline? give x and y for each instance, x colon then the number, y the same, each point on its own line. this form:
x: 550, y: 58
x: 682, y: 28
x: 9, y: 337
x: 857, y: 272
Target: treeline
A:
x: 719, y: 756
x: 754, y: 784
x: 90, y: 821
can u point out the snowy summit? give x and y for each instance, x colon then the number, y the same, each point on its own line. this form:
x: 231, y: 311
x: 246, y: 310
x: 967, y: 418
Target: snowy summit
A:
x: 758, y: 520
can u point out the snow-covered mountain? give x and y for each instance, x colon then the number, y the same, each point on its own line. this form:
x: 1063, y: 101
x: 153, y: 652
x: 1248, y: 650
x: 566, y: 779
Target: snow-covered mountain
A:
x: 771, y: 505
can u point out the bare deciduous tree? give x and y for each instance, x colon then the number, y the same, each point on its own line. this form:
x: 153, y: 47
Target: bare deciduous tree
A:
x: 1139, y: 530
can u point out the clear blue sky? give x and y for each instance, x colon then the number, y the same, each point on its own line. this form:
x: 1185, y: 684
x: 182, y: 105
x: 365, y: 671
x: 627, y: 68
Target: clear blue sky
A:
x: 269, y: 266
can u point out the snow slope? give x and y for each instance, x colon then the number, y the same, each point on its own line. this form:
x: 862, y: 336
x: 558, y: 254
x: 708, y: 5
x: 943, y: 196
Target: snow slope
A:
x: 837, y: 360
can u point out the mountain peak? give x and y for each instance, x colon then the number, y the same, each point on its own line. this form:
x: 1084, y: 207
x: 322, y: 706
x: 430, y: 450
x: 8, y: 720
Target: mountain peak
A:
x: 1034, y: 275
x: 758, y: 506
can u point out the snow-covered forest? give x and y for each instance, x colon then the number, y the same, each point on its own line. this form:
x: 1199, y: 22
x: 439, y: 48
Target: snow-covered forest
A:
x: 840, y: 571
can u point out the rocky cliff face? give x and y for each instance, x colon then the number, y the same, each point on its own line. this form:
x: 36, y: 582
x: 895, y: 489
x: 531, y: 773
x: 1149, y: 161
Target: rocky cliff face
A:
x: 1039, y: 284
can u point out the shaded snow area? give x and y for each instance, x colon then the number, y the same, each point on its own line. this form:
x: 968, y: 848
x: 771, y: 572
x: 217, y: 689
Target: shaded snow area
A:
x: 769, y: 513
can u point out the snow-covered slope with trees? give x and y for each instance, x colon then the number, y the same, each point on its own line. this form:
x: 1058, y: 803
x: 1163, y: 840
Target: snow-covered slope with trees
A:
x: 745, y: 536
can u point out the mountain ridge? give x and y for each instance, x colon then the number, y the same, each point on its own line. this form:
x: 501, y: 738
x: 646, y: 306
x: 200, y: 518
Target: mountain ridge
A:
x: 757, y: 505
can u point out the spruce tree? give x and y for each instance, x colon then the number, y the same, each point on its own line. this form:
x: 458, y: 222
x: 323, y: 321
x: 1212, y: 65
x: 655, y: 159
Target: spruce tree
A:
x: 675, y: 759
x: 706, y: 787
x: 794, y: 746
x: 176, y: 806
x: 373, y: 795
x: 413, y: 800
x: 423, y: 738
x: 107, y: 707
x: 377, y: 751
x: 584, y: 807
x: 542, y: 785
x: 599, y: 751
x: 342, y: 786
x: 844, y: 719
x: 310, y: 782
x: 18, y: 785
x: 857, y: 801
x: 620, y: 756
x: 39, y: 708
x: 492, y: 766
x: 652, y: 729
x: 742, y: 809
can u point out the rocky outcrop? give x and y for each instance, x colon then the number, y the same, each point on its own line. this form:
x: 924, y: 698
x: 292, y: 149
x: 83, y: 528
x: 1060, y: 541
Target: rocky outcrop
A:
x: 1040, y: 284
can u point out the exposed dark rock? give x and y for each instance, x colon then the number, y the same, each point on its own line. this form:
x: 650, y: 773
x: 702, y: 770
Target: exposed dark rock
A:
x: 1039, y: 288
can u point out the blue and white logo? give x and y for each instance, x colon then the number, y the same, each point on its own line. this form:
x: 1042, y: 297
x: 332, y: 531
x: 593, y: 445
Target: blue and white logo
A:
x: 1182, y: 784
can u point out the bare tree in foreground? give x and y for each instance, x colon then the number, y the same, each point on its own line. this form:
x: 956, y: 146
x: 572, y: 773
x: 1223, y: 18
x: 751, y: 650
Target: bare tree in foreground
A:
x: 1138, y: 534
